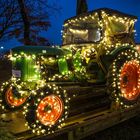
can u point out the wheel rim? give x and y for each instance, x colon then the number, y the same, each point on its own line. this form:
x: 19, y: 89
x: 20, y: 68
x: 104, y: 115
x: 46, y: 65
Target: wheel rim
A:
x: 49, y: 110
x: 129, y: 80
x: 12, y: 100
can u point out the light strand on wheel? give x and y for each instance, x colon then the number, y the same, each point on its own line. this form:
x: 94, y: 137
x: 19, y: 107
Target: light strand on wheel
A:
x: 50, y: 109
x: 131, y: 58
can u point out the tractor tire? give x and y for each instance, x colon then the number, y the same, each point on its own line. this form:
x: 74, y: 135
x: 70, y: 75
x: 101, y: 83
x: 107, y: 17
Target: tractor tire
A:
x: 123, y: 79
x: 48, y: 110
x: 11, y: 99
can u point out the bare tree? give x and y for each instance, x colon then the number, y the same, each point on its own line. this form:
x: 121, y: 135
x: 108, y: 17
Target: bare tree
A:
x: 8, y: 18
x: 25, y: 20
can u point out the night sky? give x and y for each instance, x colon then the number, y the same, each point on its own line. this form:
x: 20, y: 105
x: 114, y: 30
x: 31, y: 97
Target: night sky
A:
x: 69, y: 9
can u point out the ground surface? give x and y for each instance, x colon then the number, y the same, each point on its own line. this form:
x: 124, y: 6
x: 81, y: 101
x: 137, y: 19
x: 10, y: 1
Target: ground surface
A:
x: 128, y: 130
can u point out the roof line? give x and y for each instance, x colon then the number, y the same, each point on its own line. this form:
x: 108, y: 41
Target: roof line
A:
x: 107, y: 10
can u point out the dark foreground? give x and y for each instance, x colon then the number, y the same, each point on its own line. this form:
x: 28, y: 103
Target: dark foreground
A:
x: 94, y: 128
x: 128, y: 130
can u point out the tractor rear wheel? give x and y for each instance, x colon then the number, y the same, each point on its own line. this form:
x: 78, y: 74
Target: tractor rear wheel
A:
x: 48, y: 110
x: 123, y: 80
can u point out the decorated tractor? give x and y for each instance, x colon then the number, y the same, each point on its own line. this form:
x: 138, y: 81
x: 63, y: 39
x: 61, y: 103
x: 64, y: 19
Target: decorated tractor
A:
x: 98, y: 48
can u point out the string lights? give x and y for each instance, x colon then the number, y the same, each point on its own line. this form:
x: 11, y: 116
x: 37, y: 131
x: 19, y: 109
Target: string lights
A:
x: 124, y: 78
x: 49, y: 107
x: 13, y: 95
x: 108, y: 34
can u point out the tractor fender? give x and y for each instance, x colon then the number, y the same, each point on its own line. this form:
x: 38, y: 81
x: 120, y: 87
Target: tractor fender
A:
x: 108, y: 59
x: 116, y: 51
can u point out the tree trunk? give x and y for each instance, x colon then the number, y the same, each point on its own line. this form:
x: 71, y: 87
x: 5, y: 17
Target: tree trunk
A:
x: 26, y: 22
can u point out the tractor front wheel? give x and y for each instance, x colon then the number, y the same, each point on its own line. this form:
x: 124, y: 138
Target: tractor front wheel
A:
x: 48, y: 110
x: 11, y: 98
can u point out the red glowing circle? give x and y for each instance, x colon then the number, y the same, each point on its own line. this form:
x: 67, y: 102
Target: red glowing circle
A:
x: 49, y: 110
x: 129, y: 80
x: 12, y: 100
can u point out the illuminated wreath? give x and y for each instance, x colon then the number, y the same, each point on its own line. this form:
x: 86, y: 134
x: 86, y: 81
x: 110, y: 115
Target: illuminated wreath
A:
x: 123, y: 80
x: 12, y: 97
x: 48, y: 110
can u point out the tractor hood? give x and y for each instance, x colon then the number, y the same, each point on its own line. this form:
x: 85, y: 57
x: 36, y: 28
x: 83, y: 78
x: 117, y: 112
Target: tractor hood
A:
x: 38, y: 50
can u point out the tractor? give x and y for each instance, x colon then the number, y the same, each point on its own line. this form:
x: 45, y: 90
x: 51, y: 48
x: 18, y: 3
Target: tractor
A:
x: 98, y: 48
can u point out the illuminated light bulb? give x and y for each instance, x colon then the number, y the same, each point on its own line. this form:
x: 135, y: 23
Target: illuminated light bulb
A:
x: 130, y: 95
x: 121, y: 103
x: 34, y: 125
x: 49, y: 111
x: 43, y: 131
x: 38, y: 132
x: 133, y: 93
